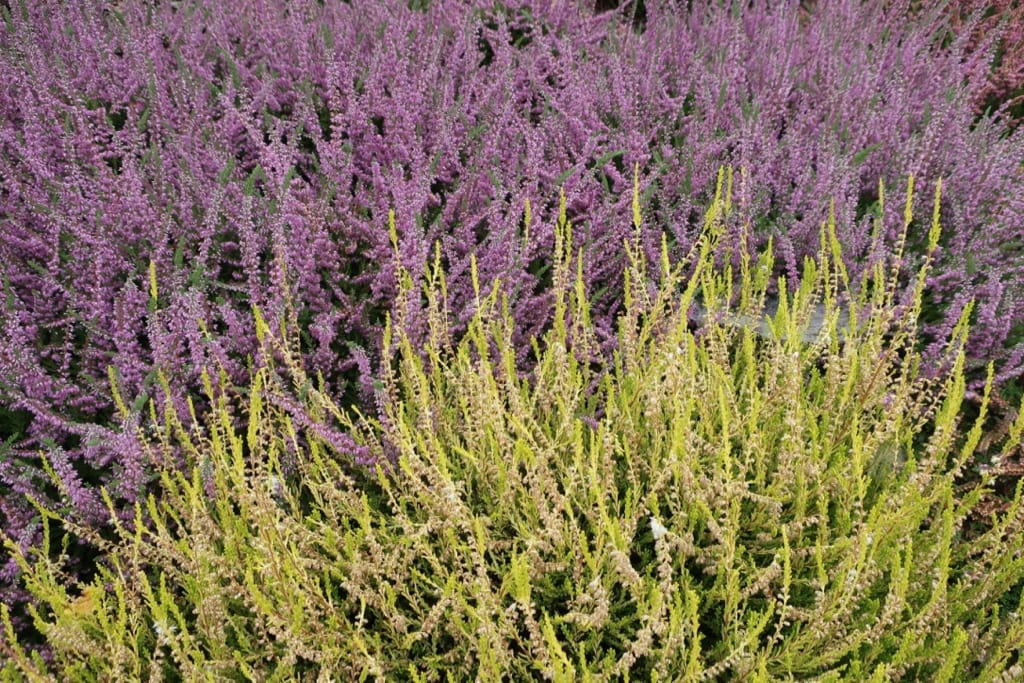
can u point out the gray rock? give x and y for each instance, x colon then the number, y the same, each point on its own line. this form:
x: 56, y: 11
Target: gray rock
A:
x: 761, y: 328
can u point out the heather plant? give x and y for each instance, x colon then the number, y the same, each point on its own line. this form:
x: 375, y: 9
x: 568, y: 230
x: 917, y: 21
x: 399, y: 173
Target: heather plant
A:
x: 997, y: 29
x: 233, y: 152
x: 1005, y: 88
x: 724, y: 507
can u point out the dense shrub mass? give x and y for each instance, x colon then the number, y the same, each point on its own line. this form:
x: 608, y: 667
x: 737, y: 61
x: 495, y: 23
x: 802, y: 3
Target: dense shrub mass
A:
x: 1006, y: 84
x: 997, y: 28
x: 723, y: 507
x: 233, y: 151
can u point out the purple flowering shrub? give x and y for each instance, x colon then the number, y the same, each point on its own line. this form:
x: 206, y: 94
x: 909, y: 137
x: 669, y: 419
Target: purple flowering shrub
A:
x: 997, y: 30
x: 166, y: 166
x: 1005, y: 87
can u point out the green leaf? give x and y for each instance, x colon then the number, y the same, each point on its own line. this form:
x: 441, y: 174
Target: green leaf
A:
x: 861, y: 156
x: 143, y: 119
x: 250, y: 182
x: 38, y: 267
x: 140, y: 402
x: 8, y: 293
x: 564, y: 175
x: 608, y: 156
x: 225, y: 175
x: 179, y: 252
x: 197, y: 278
x: 288, y: 177
x: 327, y: 36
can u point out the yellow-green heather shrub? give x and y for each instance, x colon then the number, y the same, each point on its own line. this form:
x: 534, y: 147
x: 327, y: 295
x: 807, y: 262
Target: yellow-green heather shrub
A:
x: 709, y: 506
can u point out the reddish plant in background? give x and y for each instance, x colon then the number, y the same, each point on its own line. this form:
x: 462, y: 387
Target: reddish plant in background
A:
x: 996, y: 29
x: 1005, y: 87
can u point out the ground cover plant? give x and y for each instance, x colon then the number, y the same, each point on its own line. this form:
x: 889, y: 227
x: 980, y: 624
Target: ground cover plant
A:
x: 996, y: 28
x: 228, y: 153
x: 223, y: 151
x: 723, y: 507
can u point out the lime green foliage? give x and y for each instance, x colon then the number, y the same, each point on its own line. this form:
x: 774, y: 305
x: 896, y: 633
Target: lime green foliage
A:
x: 711, y: 506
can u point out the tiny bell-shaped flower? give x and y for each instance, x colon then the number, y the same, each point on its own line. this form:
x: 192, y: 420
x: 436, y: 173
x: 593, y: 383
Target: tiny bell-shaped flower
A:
x: 657, y: 528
